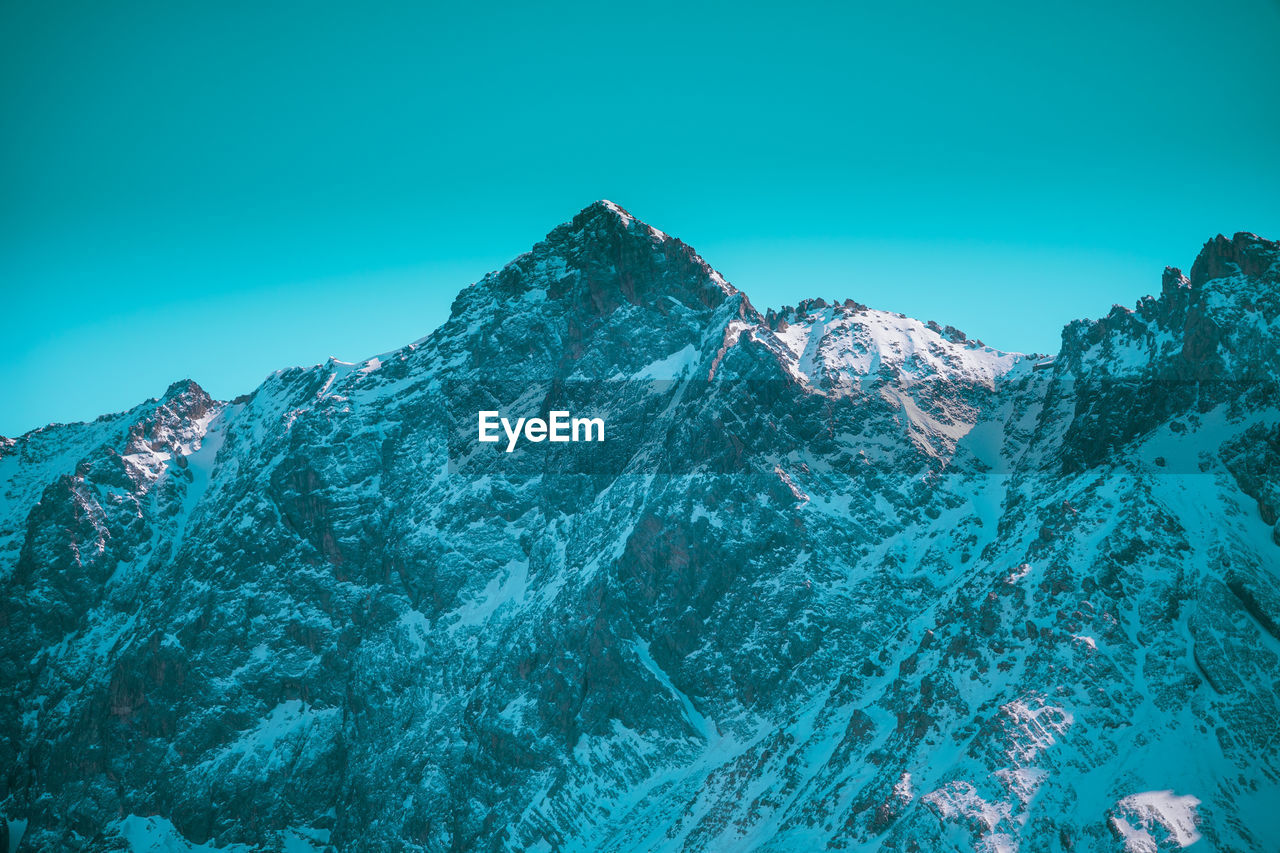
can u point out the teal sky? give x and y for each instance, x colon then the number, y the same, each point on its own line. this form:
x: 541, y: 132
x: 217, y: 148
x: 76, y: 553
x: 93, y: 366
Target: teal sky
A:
x: 219, y: 190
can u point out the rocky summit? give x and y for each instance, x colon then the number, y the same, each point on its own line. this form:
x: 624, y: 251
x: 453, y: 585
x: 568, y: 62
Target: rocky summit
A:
x: 836, y: 579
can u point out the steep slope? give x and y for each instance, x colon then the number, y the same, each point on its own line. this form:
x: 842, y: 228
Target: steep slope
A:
x: 836, y: 578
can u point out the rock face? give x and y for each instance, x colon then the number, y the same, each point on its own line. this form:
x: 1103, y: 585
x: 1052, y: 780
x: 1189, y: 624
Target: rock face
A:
x: 836, y: 579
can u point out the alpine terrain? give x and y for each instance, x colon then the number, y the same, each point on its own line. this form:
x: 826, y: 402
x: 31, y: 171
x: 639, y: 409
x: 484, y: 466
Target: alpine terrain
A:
x: 836, y: 579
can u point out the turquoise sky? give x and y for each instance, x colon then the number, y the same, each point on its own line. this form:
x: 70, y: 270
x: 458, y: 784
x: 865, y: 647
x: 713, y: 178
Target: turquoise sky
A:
x: 218, y: 190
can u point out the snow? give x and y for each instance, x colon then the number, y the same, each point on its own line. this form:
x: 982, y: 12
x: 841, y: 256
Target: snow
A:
x: 158, y: 835
x: 1029, y: 726
x: 1018, y: 574
x: 515, y: 710
x: 1023, y: 782
x: 304, y: 839
x: 838, y: 341
x: 902, y: 788
x: 275, y: 741
x: 200, y: 461
x: 961, y: 800
x: 732, y: 333
x: 696, y: 720
x: 673, y: 366
x: 790, y: 484
x: 920, y: 420
x: 1136, y: 840
x: 720, y: 282
x: 627, y: 218
x: 417, y: 628
x: 510, y: 585
x: 1039, y: 724
x: 17, y: 828
x: 1176, y: 814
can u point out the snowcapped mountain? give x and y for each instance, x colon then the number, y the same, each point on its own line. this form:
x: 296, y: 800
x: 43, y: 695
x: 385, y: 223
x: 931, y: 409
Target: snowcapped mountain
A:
x: 836, y: 579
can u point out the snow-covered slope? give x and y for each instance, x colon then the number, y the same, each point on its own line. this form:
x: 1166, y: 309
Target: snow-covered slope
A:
x: 837, y: 579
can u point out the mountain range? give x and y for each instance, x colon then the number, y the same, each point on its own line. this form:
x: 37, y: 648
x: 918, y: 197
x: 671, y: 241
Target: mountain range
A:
x: 836, y: 579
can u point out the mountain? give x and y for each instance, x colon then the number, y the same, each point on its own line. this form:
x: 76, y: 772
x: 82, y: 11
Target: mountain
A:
x: 836, y: 579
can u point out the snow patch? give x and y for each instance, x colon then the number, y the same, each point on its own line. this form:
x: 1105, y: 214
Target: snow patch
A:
x: 960, y: 801
x: 902, y: 788
x: 509, y: 586
x: 1018, y: 574
x: 673, y: 366
x: 304, y: 839
x: 1139, y: 814
x: 1036, y: 726
x: 627, y: 218
x: 696, y: 720
x: 158, y: 835
x: 790, y: 484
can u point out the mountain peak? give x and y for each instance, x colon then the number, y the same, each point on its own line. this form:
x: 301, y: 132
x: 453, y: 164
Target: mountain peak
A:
x: 608, y: 208
x: 609, y: 216
x: 1244, y: 253
x: 600, y: 260
x: 183, y: 387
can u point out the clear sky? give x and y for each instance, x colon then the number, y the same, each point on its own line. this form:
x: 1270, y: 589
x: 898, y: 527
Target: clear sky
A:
x: 218, y: 190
